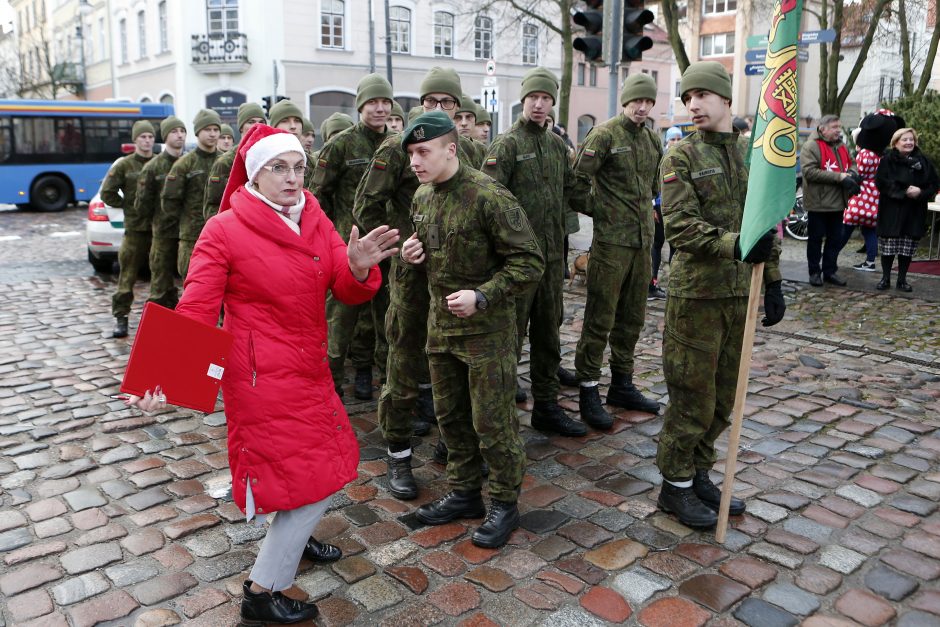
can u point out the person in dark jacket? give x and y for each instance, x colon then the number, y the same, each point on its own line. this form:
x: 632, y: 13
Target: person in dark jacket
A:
x: 907, y: 181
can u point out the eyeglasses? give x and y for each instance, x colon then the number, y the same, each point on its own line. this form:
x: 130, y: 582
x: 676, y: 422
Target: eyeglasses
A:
x: 446, y: 103
x: 282, y: 169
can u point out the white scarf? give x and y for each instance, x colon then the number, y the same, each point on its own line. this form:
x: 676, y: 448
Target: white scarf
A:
x: 290, y: 214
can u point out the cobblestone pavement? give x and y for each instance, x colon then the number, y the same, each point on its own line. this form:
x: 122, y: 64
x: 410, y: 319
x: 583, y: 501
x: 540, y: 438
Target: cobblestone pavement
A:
x: 114, y: 517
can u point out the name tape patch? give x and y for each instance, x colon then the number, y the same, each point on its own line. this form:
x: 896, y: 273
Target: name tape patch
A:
x: 620, y: 149
x: 705, y: 172
x: 525, y: 157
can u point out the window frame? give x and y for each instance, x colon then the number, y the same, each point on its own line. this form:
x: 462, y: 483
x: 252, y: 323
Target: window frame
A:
x: 711, y: 38
x: 444, y: 49
x: 718, y: 7
x: 480, y: 35
x: 401, y: 37
x: 328, y: 40
x: 163, y: 26
x: 142, y: 34
x: 122, y: 40
x: 530, y: 43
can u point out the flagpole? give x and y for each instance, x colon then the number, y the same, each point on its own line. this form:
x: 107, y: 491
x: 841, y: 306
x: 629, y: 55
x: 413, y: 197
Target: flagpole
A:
x: 737, y: 415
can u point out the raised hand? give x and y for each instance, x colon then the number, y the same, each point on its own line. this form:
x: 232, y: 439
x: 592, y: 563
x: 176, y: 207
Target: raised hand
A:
x: 365, y: 252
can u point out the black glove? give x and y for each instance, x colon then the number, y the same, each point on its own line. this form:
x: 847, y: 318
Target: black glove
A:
x: 774, y: 305
x: 851, y: 186
x: 761, y: 250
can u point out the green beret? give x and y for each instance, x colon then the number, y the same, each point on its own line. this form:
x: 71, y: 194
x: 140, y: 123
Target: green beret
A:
x: 334, y: 124
x: 170, y: 123
x: 370, y: 87
x: 483, y: 116
x: 141, y: 126
x: 283, y: 110
x: 466, y: 105
x: 441, y: 80
x: 206, y: 117
x: 708, y: 75
x: 227, y: 130
x: 397, y: 111
x: 539, y: 79
x: 248, y: 110
x: 638, y: 86
x: 427, y: 126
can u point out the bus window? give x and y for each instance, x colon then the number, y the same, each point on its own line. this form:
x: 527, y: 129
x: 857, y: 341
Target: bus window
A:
x: 47, y: 136
x: 6, y: 149
x: 103, y: 137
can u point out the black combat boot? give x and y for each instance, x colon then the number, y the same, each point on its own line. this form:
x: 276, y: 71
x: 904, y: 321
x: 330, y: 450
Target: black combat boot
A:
x: 687, y: 507
x: 548, y: 416
x: 592, y: 411
x: 622, y: 393
x: 521, y: 396
x: 424, y: 412
x: 273, y: 607
x: 567, y: 378
x: 501, y: 520
x: 321, y: 552
x: 709, y: 494
x: 401, y: 482
x: 452, y: 506
x: 363, y: 388
x: 120, y: 327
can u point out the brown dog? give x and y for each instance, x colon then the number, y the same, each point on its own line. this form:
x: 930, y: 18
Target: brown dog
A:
x: 579, y: 268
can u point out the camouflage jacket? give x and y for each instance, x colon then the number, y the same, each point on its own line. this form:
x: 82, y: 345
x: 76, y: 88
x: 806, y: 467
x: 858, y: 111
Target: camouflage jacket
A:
x: 215, y: 185
x: 704, y: 183
x: 341, y: 165
x: 532, y: 162
x: 184, y: 192
x: 617, y: 178
x: 149, y: 188
x: 478, y: 153
x: 123, y: 176
x: 475, y: 236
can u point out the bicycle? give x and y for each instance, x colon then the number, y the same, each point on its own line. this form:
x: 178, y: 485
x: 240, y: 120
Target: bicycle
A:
x: 797, y: 223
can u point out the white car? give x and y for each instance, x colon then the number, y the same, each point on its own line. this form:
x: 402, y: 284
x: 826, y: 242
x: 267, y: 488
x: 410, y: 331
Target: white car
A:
x: 104, y: 230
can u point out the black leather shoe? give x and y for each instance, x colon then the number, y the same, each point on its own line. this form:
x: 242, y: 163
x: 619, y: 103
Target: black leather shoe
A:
x: 548, y: 416
x: 521, y: 396
x: 835, y: 279
x: 401, y: 482
x: 320, y: 552
x: 709, y: 494
x: 273, y: 607
x: 440, y: 452
x: 363, y: 388
x: 420, y: 426
x: 884, y: 283
x: 622, y: 393
x: 452, y: 506
x: 567, y: 378
x: 687, y: 507
x: 592, y: 411
x: 904, y: 286
x: 120, y: 327
x: 425, y: 405
x: 815, y: 279
x: 501, y: 520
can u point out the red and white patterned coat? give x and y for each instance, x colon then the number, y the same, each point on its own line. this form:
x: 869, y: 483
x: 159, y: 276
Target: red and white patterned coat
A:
x: 862, y: 209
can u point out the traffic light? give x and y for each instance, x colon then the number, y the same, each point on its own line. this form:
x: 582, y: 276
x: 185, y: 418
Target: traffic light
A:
x: 267, y: 103
x: 592, y: 21
x: 635, y: 17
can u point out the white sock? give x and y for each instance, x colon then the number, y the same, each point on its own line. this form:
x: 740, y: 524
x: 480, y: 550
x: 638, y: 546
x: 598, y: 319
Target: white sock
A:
x: 407, y: 453
x: 680, y: 484
x: 589, y: 384
x: 424, y: 386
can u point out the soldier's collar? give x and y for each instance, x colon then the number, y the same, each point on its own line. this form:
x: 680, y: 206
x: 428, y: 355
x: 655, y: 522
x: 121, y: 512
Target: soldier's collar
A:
x: 532, y: 126
x: 716, y: 137
x: 449, y: 184
x: 629, y: 124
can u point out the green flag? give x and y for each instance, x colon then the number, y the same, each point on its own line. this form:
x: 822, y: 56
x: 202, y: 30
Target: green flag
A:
x: 771, y: 187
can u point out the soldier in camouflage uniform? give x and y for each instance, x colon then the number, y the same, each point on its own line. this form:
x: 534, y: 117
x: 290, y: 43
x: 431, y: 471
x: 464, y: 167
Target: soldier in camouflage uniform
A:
x: 617, y: 170
x: 396, y: 120
x: 285, y: 115
x: 249, y: 114
x: 308, y: 135
x: 479, y: 251
x: 532, y: 162
x: 332, y: 125
x: 704, y: 183
x: 120, y: 190
x: 226, y: 139
x: 484, y: 125
x: 165, y: 244
x: 340, y: 167
x: 465, y: 118
x: 384, y: 197
x: 184, y: 189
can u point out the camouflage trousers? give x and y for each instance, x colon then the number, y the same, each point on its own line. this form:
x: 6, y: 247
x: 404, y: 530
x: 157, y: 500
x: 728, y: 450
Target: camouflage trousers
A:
x: 406, y: 329
x: 342, y: 321
x: 701, y: 354
x: 183, y: 256
x: 163, y: 290
x: 617, y: 284
x: 540, y: 311
x: 133, y: 257
x: 474, y: 383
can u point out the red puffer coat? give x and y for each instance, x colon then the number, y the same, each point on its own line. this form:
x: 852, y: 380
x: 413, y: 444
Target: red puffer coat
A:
x: 288, y: 433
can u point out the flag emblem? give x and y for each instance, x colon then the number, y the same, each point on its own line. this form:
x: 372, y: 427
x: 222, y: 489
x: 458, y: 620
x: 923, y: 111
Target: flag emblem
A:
x: 669, y: 177
x: 490, y: 161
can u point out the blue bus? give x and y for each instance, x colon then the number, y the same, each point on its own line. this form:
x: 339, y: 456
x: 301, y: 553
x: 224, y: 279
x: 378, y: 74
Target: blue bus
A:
x: 53, y: 153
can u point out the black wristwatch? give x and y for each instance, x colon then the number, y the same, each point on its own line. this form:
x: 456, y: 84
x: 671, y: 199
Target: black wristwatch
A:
x: 482, y: 303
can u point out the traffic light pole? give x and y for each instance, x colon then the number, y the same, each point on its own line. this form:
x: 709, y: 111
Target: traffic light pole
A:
x: 614, y: 51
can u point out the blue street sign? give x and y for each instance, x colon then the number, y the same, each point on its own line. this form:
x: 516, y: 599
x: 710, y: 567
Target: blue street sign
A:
x: 818, y: 36
x: 758, y: 55
x: 754, y: 69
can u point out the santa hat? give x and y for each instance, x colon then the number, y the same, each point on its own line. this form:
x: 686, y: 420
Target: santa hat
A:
x: 258, y: 146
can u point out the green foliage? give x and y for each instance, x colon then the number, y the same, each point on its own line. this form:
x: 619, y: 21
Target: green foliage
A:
x: 922, y: 113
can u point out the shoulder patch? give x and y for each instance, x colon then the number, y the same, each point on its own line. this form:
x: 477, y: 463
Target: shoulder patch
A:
x: 669, y: 177
x: 171, y: 177
x: 215, y: 179
x: 514, y: 219
x: 490, y: 161
x: 378, y: 164
x: 589, y: 152
x: 321, y: 163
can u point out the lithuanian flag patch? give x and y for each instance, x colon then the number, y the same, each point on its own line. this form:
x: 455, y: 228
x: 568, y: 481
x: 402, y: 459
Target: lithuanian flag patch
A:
x: 378, y: 164
x: 490, y: 161
x: 669, y: 177
x: 588, y: 152
x: 321, y: 163
x: 215, y: 179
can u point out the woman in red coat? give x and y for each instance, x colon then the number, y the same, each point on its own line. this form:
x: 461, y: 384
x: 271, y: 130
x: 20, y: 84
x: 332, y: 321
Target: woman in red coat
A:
x: 269, y: 257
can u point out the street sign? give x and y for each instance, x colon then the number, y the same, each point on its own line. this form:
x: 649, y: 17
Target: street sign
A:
x: 490, y: 67
x: 808, y: 37
x: 758, y: 55
x: 489, y: 98
x: 754, y: 69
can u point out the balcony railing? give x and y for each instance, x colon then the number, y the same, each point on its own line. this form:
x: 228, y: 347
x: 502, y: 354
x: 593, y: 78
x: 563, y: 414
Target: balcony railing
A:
x: 218, y: 53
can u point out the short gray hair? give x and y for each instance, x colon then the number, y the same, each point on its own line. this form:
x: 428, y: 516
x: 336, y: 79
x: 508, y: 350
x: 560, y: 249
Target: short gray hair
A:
x: 826, y: 120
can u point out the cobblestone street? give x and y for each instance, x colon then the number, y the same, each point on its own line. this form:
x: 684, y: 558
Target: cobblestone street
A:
x: 113, y: 517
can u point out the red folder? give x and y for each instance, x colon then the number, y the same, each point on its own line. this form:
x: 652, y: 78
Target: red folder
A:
x: 184, y: 356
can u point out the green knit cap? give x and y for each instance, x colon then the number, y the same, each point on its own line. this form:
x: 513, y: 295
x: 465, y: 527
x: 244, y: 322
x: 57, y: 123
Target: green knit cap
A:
x: 306, y: 126
x: 552, y: 114
x: 427, y: 126
x: 708, y: 75
x: 638, y: 86
x: 170, y: 123
x: 248, y: 110
x: 414, y: 112
x: 397, y: 111
x: 285, y: 109
x: 227, y: 130
x: 334, y: 124
x: 372, y: 86
x: 483, y: 115
x: 441, y: 80
x: 466, y: 105
x: 539, y: 79
x: 206, y: 117
x: 141, y: 126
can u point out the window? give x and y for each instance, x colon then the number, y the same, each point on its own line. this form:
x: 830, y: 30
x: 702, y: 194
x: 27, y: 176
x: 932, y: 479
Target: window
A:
x: 593, y: 77
x: 332, y: 17
x: 223, y: 16
x: 678, y: 95
x: 443, y: 34
x: 891, y: 89
x: 581, y: 75
x: 399, y: 19
x: 122, y: 35
x: 683, y: 9
x: 585, y: 124
x: 166, y: 99
x: 654, y: 75
x: 48, y: 136
x: 141, y: 34
x: 530, y: 44
x: 325, y: 103
x: 716, y: 45
x: 881, y: 89
x: 102, y: 42
x: 718, y: 6
x: 483, y: 38
x: 161, y: 19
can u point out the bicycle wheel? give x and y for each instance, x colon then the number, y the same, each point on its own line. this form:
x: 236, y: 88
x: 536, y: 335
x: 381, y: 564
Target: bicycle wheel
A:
x: 797, y: 225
